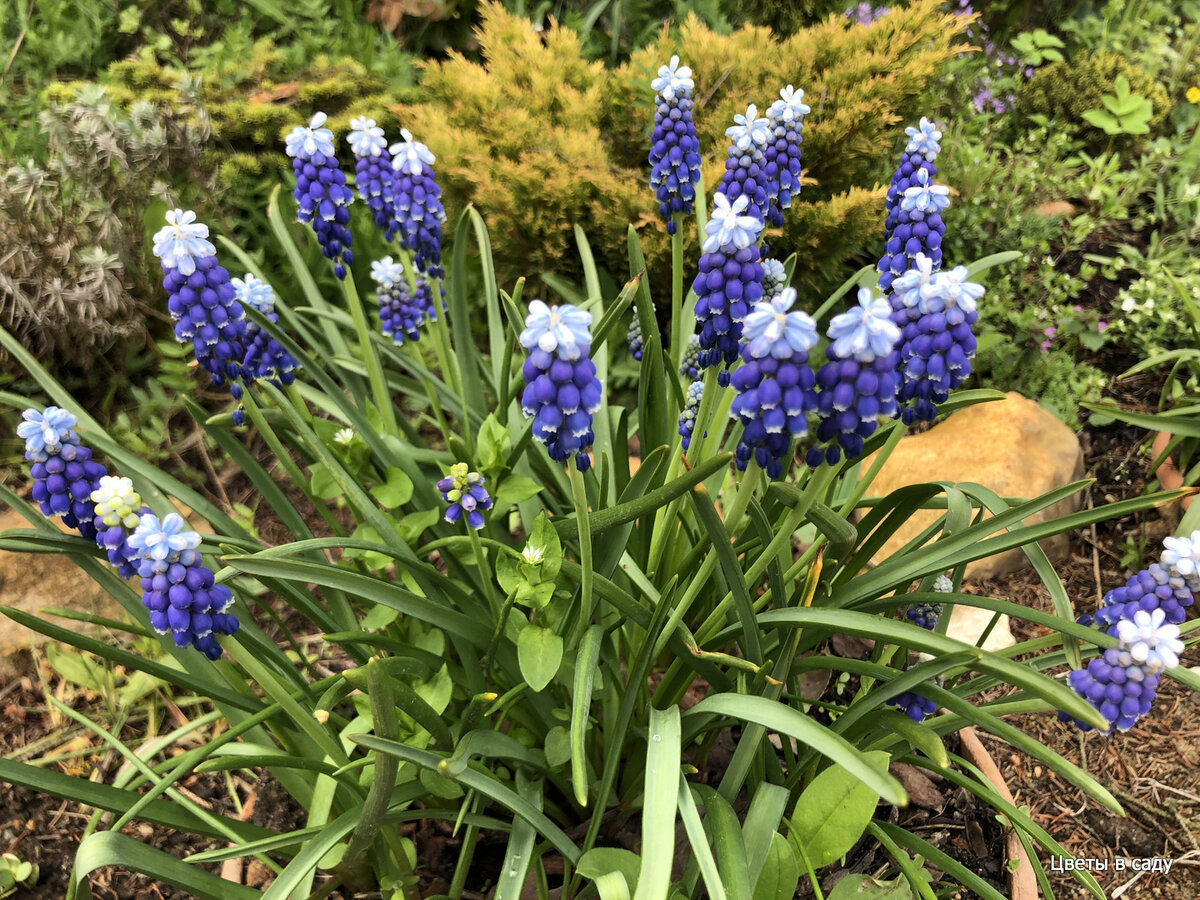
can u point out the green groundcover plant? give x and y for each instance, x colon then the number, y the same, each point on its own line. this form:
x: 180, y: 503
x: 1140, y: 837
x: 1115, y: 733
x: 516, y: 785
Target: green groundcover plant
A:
x: 518, y: 601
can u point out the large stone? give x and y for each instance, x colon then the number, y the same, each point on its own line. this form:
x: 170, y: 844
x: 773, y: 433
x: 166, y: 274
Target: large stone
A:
x: 31, y: 582
x: 1013, y: 446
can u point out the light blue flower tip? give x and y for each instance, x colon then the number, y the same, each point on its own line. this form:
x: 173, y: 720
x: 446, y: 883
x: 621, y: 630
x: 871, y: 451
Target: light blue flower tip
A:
x: 673, y: 80
x: 386, y: 272
x: 924, y: 139
x: 365, y: 137
x: 254, y: 292
x: 410, y: 156
x: 772, y: 328
x: 749, y: 130
x: 306, y: 142
x: 728, y: 227
x: 865, y: 332
x: 561, y: 330
x: 182, y: 241
x: 790, y: 107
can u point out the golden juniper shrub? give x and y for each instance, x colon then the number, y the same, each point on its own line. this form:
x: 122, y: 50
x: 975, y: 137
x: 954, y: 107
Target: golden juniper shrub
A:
x: 536, y: 136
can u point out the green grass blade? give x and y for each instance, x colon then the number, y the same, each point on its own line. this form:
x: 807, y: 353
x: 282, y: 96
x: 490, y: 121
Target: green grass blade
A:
x: 783, y: 719
x: 108, y: 848
x: 661, y: 798
x: 519, y: 852
x: 701, y: 852
x: 581, y: 704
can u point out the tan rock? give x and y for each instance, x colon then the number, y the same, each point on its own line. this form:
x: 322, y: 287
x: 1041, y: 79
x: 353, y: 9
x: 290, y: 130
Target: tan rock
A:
x: 1054, y: 208
x: 968, y: 623
x: 1013, y: 446
x: 31, y: 582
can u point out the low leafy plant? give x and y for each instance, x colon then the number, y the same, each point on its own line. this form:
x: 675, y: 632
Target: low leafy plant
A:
x: 1124, y: 112
x: 546, y: 652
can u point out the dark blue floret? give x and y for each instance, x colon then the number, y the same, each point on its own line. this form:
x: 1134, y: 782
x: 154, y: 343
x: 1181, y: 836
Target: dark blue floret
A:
x: 729, y: 283
x: 373, y: 178
x: 633, y: 337
x: 852, y: 396
x: 913, y: 705
x: 1148, y: 590
x: 323, y: 200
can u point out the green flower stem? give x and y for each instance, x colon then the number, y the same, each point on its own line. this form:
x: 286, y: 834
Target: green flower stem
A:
x: 665, y: 519
x: 579, y: 494
x: 386, y: 725
x: 485, y: 569
x: 383, y: 399
x: 500, y: 621
x: 450, y: 373
x: 678, y: 332
x: 817, y: 484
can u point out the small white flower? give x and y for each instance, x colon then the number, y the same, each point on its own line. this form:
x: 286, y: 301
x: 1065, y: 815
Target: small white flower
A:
x: 749, y: 130
x: 865, y: 332
x: 365, y: 137
x: 410, y: 156
x: 790, y: 107
x: 254, y: 292
x: 307, y: 142
x: 1181, y: 558
x: 344, y: 436
x: 924, y: 139
x: 386, y: 272
x: 182, y: 241
x: 562, y: 330
x: 673, y: 80
x: 728, y: 227
x: 1150, y: 643
x: 532, y: 555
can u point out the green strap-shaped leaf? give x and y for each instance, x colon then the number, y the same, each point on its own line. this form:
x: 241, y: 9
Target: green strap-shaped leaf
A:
x: 109, y: 848
x: 659, y: 802
x: 783, y: 719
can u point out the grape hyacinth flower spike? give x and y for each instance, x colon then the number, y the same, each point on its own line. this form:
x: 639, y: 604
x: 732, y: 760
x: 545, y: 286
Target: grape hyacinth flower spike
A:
x: 774, y: 278
x: 117, y: 512
x: 730, y: 280
x: 418, y: 202
x: 373, y: 172
x: 400, y: 314
x: 1121, y: 682
x: 900, y: 229
x: 938, y: 341
x: 781, y: 158
x: 690, y: 364
x: 633, y: 337
x: 321, y: 192
x: 674, y: 150
x: 202, y: 300
x: 64, y: 473
x: 265, y: 357
x: 691, y: 408
x: 858, y: 383
x: 926, y: 615
x: 775, y: 384
x: 562, y: 390
x: 1168, y: 585
x: 178, y: 590
x: 464, y: 491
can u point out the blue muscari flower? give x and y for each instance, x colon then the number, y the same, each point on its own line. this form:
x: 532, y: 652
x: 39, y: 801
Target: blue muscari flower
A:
x: 858, y: 383
x: 118, y: 509
x: 265, y: 357
x: 937, y: 342
x: 634, y: 336
x: 464, y: 491
x: 321, y: 192
x: 373, y: 173
x: 562, y: 390
x: 730, y: 279
x: 202, y: 301
x: 1152, y: 588
x: 691, y: 408
x: 775, y: 384
x: 913, y: 705
x: 690, y: 364
x: 1121, y: 682
x: 674, y: 150
x: 926, y: 615
x: 418, y: 200
x: 774, y: 278
x: 178, y: 590
x: 781, y: 158
x: 401, y: 315
x: 745, y: 173
x: 63, y: 471
x: 905, y: 235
